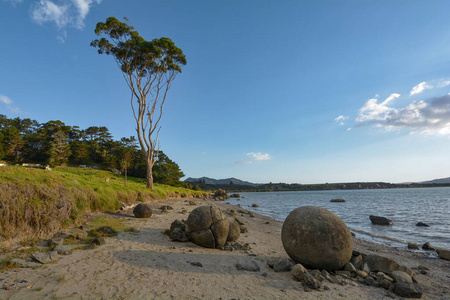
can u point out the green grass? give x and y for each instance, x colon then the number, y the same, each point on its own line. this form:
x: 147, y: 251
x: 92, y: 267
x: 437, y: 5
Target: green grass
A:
x: 35, y: 202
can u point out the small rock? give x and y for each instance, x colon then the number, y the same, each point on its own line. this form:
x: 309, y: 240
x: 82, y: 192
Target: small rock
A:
x: 380, y: 220
x: 298, y: 271
x: 197, y: 264
x: 309, y: 281
x: 99, y: 241
x: 357, y: 261
x: 444, y: 253
x: 192, y: 202
x: 428, y: 246
x: 76, y: 233
x: 337, y: 200
x: 243, y: 229
x: 267, y: 223
x: 400, y: 276
x: 283, y: 264
x: 65, y: 249
x: 366, y: 268
x: 422, y: 224
x: 408, y: 290
x: 386, y: 284
x: 361, y: 274
x: 45, y: 257
x: 380, y: 263
x: 371, y: 282
x: 413, y: 246
x: 406, y: 270
x: 248, y: 266
x: 349, y: 267
x: 255, y: 205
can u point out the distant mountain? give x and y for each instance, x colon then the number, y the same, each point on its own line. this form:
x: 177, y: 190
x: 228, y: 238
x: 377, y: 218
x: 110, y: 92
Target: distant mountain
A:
x: 437, y: 181
x: 212, y: 181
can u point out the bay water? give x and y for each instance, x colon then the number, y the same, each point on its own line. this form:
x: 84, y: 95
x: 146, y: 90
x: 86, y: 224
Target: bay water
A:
x: 405, y: 207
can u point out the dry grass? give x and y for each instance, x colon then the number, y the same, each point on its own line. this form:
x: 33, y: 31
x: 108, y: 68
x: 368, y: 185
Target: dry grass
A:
x: 37, y: 203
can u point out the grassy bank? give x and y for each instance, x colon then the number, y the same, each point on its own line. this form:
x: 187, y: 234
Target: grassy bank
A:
x: 35, y: 203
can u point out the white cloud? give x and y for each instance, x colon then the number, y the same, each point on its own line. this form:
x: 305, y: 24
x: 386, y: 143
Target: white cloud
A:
x: 420, y: 88
x: 373, y: 110
x: 9, y: 104
x: 5, y: 100
x: 429, y: 116
x: 348, y: 129
x: 340, y: 120
x: 443, y: 83
x: 259, y: 156
x: 63, y: 13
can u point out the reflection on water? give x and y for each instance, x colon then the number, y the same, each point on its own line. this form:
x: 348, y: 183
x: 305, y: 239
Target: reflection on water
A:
x: 405, y: 207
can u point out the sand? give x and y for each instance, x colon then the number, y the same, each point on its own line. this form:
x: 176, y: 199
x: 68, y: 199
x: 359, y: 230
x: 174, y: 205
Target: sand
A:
x: 148, y: 265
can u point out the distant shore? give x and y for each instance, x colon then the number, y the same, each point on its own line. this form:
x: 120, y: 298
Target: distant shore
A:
x: 147, y: 265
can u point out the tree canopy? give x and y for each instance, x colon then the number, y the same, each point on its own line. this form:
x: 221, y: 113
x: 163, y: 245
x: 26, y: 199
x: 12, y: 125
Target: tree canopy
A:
x: 57, y: 144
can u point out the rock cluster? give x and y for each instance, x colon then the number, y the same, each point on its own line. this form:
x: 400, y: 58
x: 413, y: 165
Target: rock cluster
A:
x: 206, y: 226
x: 317, y: 238
x: 372, y: 270
x: 57, y: 245
x: 220, y: 195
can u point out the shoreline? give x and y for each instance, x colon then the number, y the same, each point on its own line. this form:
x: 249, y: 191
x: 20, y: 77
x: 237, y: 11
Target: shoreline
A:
x: 148, y: 265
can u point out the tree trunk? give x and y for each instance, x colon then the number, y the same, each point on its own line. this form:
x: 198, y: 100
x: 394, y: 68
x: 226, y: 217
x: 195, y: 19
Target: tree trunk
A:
x: 149, y: 174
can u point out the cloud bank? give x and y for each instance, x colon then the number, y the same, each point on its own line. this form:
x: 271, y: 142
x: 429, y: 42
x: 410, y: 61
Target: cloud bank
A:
x: 62, y: 13
x: 427, y: 116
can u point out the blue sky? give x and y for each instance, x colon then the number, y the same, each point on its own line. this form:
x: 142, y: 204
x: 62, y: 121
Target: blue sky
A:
x: 281, y: 91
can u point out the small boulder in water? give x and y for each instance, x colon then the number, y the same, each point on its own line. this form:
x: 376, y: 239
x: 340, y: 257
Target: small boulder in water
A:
x: 337, y: 200
x: 422, y: 224
x: 380, y: 220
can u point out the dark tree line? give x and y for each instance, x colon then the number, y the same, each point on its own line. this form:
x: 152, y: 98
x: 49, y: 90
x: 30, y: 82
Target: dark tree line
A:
x: 57, y: 144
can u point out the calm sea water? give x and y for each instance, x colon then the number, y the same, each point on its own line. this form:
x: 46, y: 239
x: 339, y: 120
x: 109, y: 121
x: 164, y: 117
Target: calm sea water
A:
x: 405, y: 207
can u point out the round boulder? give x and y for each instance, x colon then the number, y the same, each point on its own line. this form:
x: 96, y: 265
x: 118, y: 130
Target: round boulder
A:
x: 142, y: 210
x: 317, y: 238
x: 208, y: 227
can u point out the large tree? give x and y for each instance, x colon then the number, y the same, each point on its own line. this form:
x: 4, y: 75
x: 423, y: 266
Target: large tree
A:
x: 149, y: 68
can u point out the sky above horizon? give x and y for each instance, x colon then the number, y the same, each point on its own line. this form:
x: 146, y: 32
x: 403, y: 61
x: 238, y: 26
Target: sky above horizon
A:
x: 273, y: 91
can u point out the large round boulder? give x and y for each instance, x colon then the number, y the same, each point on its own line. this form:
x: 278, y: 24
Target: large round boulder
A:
x: 142, y: 210
x: 208, y: 227
x: 317, y: 238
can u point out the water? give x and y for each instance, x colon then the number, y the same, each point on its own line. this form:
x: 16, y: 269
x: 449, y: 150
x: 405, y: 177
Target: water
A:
x: 405, y: 207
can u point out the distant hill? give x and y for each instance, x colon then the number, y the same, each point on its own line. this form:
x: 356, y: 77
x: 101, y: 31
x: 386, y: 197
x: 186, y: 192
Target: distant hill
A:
x: 212, y: 181
x: 237, y: 185
x: 437, y: 181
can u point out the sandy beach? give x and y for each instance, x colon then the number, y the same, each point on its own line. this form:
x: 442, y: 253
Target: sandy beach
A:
x: 147, y: 265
